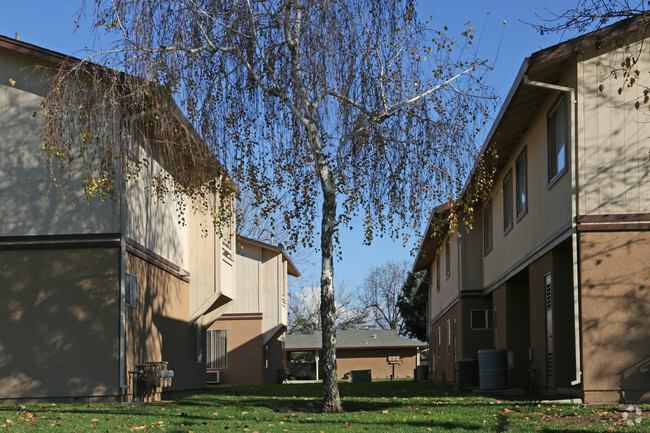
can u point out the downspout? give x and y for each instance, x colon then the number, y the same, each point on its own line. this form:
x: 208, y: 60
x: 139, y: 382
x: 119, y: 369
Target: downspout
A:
x: 123, y: 374
x: 573, y: 158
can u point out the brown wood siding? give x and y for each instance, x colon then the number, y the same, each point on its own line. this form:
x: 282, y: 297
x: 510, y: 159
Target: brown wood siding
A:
x: 613, y: 155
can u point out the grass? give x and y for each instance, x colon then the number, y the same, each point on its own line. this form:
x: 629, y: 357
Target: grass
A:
x: 401, y: 406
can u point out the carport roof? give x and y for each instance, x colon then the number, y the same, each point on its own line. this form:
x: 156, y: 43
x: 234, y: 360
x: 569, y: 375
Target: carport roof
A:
x: 353, y: 339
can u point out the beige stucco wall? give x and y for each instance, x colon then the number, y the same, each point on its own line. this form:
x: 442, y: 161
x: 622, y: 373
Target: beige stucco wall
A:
x: 157, y: 329
x: 245, y: 351
x: 614, y: 170
x: 549, y: 209
x: 59, y: 320
x: 615, y: 305
x: 375, y: 360
x: 30, y: 204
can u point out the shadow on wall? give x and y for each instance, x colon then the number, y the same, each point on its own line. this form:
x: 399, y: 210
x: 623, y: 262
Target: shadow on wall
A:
x: 616, y: 312
x: 31, y: 204
x: 157, y: 328
x: 619, y: 183
x: 59, y: 322
x: 630, y: 377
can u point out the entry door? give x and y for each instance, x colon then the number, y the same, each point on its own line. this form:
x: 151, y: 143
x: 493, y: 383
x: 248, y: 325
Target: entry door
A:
x: 550, y: 367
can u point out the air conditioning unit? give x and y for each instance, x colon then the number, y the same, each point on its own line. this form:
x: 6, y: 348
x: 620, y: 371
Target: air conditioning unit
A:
x: 214, y: 377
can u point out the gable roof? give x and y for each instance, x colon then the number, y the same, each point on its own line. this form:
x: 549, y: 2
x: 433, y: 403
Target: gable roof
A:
x: 291, y: 268
x: 352, y: 339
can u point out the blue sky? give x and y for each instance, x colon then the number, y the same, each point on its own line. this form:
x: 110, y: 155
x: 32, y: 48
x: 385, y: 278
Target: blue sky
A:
x: 504, y: 40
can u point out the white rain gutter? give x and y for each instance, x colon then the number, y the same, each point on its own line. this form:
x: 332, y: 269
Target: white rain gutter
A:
x: 573, y: 153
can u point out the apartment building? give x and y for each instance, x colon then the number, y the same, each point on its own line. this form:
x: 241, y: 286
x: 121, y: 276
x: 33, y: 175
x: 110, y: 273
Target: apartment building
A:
x: 556, y: 264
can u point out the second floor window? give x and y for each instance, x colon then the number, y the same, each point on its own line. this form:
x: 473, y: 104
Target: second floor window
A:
x: 557, y: 140
x: 438, y: 273
x: 487, y: 227
x: 507, y: 202
x: 448, y: 259
x: 521, y: 185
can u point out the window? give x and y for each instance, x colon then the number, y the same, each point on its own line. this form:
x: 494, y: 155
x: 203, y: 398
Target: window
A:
x: 507, y: 202
x: 438, y: 273
x: 218, y: 348
x: 482, y: 319
x: 198, y: 340
x: 521, y: 185
x: 448, y: 336
x: 131, y: 290
x: 487, y: 227
x: 439, y: 338
x: 557, y: 141
x: 448, y: 259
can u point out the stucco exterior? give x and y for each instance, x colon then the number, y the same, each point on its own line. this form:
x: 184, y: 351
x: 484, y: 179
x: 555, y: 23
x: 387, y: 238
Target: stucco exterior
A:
x: 615, y: 304
x: 58, y: 322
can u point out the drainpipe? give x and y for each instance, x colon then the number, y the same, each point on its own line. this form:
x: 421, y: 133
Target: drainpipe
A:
x: 573, y: 158
x: 122, y: 370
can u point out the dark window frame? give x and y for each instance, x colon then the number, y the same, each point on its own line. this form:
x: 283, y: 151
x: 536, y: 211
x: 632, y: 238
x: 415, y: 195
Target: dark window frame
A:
x: 488, y: 319
x: 552, y: 155
x: 487, y: 228
x: 448, y: 258
x: 521, y: 207
x: 508, y: 220
x: 438, y: 273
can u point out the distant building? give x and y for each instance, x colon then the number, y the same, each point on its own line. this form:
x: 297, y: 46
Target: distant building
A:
x: 383, y: 351
x: 245, y: 344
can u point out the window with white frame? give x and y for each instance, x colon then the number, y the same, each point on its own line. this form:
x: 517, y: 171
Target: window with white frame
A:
x: 482, y: 319
x: 217, y: 350
x: 439, y: 342
x: 521, y: 185
x: 131, y: 290
x: 507, y: 202
x: 448, y: 336
x: 557, y: 140
x: 487, y: 227
x: 198, y: 340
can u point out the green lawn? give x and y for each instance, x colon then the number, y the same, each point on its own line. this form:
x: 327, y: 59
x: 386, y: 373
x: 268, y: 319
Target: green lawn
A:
x: 402, y: 406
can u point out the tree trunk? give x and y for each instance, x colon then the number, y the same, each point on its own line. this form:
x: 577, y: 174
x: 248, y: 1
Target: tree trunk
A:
x: 331, y: 398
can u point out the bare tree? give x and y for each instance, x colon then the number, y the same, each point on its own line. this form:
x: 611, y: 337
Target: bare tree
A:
x: 590, y: 15
x: 594, y: 14
x: 304, y: 310
x: 354, y: 105
x: 380, y: 292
